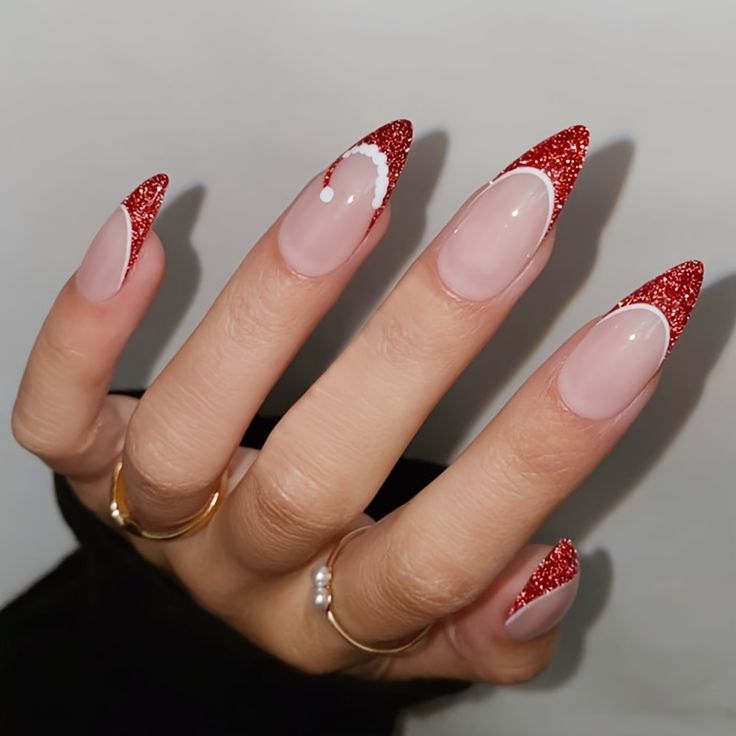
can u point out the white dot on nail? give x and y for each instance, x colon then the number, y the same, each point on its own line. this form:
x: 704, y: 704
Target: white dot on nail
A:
x: 327, y: 194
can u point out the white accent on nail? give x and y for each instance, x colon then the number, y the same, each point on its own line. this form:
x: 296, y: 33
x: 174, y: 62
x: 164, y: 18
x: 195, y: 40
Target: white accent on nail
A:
x: 541, y: 175
x: 128, y: 245
x: 327, y: 194
x: 651, y: 308
x: 380, y: 160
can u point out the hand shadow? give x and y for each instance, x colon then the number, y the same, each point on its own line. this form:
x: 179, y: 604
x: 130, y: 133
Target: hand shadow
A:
x: 676, y: 398
x: 405, y: 234
x: 174, y: 225
x: 578, y: 234
x: 638, y: 453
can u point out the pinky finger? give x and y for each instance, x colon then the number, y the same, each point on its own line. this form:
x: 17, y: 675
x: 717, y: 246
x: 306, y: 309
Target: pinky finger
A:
x: 510, y: 633
x: 62, y: 412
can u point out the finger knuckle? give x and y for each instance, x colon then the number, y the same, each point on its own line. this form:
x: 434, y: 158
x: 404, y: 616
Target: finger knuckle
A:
x: 279, y: 501
x: 278, y: 515
x: 423, y: 591
x: 45, y: 440
x: 24, y: 430
x: 159, y: 477
x: 399, y: 340
x: 247, y: 319
x: 57, y: 347
x: 531, y: 457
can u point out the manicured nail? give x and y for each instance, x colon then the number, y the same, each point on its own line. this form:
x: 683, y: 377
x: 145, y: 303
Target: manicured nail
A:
x: 116, y: 246
x: 494, y: 236
x: 330, y: 218
x: 618, y: 357
x: 547, y: 595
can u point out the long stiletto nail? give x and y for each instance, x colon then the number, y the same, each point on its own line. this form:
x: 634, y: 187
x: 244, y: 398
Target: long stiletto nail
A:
x: 620, y: 354
x: 547, y: 595
x: 330, y: 218
x: 494, y: 236
x: 118, y: 243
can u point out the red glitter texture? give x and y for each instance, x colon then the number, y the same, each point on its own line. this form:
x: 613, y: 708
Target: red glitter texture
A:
x: 560, y: 566
x: 143, y: 204
x: 394, y: 139
x: 674, y: 293
x: 561, y: 158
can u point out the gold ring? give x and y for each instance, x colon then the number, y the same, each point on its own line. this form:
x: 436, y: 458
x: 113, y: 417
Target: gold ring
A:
x: 324, y: 599
x: 120, y: 511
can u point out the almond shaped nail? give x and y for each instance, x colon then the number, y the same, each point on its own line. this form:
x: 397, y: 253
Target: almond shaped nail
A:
x: 117, y: 245
x: 494, y: 236
x: 547, y: 595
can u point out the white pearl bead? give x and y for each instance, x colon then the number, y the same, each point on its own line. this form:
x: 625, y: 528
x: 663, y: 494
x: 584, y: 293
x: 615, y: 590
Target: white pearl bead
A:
x: 322, y: 576
x: 321, y: 598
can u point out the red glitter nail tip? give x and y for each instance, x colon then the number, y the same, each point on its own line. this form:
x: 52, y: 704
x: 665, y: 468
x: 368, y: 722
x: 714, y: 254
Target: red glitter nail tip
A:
x: 561, y: 158
x: 142, y: 206
x: 560, y: 566
x: 674, y: 293
x: 388, y: 147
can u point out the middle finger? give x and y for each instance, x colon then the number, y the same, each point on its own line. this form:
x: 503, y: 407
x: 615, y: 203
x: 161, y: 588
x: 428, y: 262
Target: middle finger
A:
x: 326, y: 458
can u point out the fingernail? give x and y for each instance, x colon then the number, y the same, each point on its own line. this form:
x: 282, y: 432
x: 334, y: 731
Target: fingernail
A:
x: 493, y: 237
x: 330, y: 218
x: 547, y: 595
x: 116, y: 246
x: 618, y: 357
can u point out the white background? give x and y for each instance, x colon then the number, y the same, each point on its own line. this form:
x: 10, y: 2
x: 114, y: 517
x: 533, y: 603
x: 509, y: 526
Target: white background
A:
x: 241, y: 102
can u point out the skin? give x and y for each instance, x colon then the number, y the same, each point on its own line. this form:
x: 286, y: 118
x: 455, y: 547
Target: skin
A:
x: 323, y: 463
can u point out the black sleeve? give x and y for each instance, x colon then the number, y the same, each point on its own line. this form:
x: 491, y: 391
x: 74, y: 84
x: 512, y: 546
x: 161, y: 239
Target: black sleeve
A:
x: 106, y: 644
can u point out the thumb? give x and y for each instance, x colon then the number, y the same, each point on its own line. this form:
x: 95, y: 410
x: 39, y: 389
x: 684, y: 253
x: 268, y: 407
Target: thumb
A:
x: 507, y: 635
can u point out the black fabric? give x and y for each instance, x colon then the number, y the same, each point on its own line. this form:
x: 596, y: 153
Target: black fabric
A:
x: 105, y: 644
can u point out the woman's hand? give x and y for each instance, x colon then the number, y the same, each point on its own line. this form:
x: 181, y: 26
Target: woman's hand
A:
x: 454, y: 556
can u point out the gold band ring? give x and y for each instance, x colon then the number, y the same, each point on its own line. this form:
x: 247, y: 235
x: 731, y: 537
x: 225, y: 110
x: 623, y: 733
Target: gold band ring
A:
x: 323, y: 579
x: 120, y: 511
